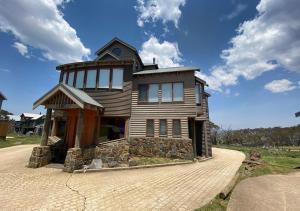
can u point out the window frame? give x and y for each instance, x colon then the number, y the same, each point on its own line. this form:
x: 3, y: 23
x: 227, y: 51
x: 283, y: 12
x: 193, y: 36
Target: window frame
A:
x: 85, y: 79
x: 99, y: 78
x: 153, y: 129
x: 160, y: 123
x: 199, y: 91
x: 112, y: 78
x: 68, y: 78
x: 173, y: 128
x: 177, y: 101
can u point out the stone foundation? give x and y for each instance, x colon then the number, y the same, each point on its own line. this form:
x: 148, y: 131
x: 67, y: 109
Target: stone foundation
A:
x: 40, y: 156
x: 113, y: 153
x: 161, y: 147
x: 77, y: 157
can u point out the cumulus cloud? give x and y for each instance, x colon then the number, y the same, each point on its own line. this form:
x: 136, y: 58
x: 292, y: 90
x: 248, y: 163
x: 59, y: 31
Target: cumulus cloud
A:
x: 41, y: 25
x: 278, y: 86
x: 236, y: 12
x: 23, y: 50
x: 154, y: 10
x: 269, y: 41
x: 166, y: 53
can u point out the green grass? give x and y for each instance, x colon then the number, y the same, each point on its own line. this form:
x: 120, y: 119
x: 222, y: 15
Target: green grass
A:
x: 19, y: 139
x: 275, y: 161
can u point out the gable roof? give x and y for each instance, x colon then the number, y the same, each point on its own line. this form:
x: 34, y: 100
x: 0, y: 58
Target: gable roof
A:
x: 166, y: 70
x: 2, y: 96
x: 31, y: 115
x: 109, y: 54
x: 78, y: 96
x: 115, y: 39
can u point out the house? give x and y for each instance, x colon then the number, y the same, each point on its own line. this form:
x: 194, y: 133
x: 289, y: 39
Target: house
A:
x: 30, y: 122
x: 117, y: 96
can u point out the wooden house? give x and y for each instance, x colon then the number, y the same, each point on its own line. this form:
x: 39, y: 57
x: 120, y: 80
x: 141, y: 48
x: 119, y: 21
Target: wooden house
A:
x: 118, y: 96
x: 32, y: 123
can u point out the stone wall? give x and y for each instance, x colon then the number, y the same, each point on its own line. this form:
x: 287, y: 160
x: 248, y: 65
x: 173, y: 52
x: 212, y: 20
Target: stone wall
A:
x: 161, y: 147
x: 113, y: 153
x: 77, y: 157
x: 40, y: 156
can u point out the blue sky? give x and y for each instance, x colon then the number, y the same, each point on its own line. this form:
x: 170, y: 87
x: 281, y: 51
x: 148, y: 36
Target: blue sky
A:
x: 248, y: 51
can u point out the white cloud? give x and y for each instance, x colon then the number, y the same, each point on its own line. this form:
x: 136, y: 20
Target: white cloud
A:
x: 154, y: 10
x: 4, y: 70
x: 269, y: 41
x: 236, y: 12
x: 278, y: 86
x: 41, y: 25
x: 23, y: 50
x: 165, y: 53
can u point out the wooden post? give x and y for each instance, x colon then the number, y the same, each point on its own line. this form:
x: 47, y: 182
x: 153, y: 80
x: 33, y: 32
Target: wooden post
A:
x: 54, y: 127
x: 46, y: 128
x: 126, y: 132
x: 97, y: 127
x: 79, y: 128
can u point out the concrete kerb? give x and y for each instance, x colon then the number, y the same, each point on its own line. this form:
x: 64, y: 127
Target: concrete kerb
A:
x: 138, y: 167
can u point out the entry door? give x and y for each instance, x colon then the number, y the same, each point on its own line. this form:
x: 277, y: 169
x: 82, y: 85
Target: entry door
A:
x: 199, y: 137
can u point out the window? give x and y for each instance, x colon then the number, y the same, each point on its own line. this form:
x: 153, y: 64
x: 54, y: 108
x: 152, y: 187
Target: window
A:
x: 166, y: 92
x: 198, y: 93
x: 153, y: 93
x: 117, y: 79
x: 143, y: 95
x: 71, y: 78
x: 177, y: 92
x: 64, y: 80
x: 104, y: 78
x: 150, y: 128
x: 176, y: 128
x: 80, y: 79
x: 117, y: 51
x: 163, y: 127
x: 91, y: 79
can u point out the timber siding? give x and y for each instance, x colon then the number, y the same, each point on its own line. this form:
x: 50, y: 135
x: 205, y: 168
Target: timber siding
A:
x: 141, y: 112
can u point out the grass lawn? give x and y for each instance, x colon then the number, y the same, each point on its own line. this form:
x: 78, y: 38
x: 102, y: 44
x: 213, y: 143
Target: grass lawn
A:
x: 19, y: 139
x: 276, y: 161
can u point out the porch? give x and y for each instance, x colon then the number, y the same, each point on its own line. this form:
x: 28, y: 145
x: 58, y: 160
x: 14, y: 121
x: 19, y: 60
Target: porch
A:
x: 76, y: 120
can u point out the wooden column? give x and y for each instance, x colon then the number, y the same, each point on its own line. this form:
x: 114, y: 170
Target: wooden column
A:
x: 126, y: 133
x: 54, y: 127
x: 46, y: 128
x: 97, y: 127
x: 79, y: 128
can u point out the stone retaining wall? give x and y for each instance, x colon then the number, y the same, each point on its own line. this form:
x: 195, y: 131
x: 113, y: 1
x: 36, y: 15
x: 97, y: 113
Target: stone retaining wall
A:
x: 40, y: 156
x: 161, y: 147
x: 77, y: 157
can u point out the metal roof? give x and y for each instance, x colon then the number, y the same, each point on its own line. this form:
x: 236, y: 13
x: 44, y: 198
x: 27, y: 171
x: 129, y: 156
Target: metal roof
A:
x: 2, y: 96
x: 31, y: 115
x: 78, y: 96
x: 166, y: 70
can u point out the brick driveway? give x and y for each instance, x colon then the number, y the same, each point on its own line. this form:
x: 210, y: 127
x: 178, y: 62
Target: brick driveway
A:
x: 183, y: 187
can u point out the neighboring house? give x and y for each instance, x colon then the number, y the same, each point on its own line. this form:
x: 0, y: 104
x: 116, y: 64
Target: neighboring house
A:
x: 31, y: 122
x: 118, y: 96
x: 2, y: 98
x: 15, y: 122
x: 297, y: 114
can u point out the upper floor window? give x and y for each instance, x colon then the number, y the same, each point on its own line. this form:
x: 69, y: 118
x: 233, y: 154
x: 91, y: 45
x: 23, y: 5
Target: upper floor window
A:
x: 80, y: 79
x: 117, y: 79
x: 104, y: 78
x: 71, y: 78
x: 143, y: 93
x: 166, y: 92
x: 198, y: 93
x: 153, y: 93
x: 64, y: 78
x: 91, y: 79
x: 177, y: 92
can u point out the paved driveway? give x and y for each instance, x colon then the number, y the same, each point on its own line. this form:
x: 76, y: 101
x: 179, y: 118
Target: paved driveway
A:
x: 271, y: 192
x: 184, y: 187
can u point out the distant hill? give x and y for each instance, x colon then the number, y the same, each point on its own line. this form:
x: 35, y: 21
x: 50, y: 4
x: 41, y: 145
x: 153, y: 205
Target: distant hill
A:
x: 276, y: 136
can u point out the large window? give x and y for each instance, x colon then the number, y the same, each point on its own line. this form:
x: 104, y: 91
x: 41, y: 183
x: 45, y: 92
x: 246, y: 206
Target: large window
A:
x: 149, y: 127
x: 80, y: 79
x: 104, y: 78
x: 176, y: 128
x: 71, y: 78
x: 153, y: 93
x: 166, y: 92
x: 143, y: 95
x: 117, y: 79
x: 91, y: 79
x: 163, y: 127
x: 64, y: 79
x: 177, y: 92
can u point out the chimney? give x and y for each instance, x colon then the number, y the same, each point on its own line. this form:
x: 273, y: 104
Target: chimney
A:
x: 153, y: 60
